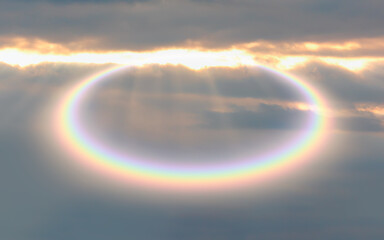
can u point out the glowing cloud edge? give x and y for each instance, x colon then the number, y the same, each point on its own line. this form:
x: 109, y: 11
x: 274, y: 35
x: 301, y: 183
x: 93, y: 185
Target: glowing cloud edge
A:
x: 187, y: 177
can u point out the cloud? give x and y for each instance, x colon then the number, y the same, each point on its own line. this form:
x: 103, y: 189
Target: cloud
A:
x: 246, y: 99
x: 65, y: 2
x: 370, y: 124
x: 344, y: 49
x: 267, y: 117
x: 346, y: 86
x: 156, y: 24
x: 91, y: 1
x: 210, y: 113
x: 343, y: 204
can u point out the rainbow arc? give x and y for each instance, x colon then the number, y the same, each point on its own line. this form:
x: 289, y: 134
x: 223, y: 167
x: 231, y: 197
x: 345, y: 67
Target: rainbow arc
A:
x: 188, y: 177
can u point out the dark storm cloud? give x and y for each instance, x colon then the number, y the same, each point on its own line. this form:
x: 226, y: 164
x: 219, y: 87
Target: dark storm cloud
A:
x: 214, y: 24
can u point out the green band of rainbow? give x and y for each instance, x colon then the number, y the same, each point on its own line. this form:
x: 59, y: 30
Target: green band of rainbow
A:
x: 133, y: 170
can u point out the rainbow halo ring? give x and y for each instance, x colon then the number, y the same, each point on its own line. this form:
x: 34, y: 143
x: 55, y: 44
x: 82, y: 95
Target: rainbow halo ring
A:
x: 187, y: 177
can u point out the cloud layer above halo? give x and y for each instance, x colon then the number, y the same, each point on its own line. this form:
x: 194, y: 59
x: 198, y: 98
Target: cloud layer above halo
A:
x: 138, y: 25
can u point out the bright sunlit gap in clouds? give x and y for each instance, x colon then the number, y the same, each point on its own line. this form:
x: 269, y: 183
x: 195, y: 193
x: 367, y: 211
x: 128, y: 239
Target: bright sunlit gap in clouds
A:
x: 285, y: 56
x: 191, y: 58
x: 352, y: 64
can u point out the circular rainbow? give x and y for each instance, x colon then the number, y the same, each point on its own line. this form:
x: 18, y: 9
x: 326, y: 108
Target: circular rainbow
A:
x: 187, y: 177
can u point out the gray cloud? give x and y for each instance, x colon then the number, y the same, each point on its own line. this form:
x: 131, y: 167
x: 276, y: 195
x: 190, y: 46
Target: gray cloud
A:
x: 91, y: 1
x: 341, y: 197
x: 213, y: 24
x: 370, y: 124
x: 267, y: 117
x: 177, y: 91
x: 346, y: 86
x: 344, y: 204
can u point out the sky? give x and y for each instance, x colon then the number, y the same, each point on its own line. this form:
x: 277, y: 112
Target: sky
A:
x: 191, y: 119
